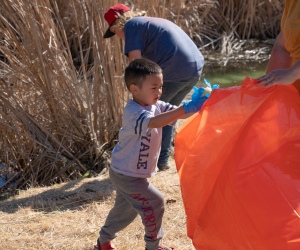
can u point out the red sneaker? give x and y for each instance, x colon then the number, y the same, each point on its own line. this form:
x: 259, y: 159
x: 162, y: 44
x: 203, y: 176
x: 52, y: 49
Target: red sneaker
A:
x: 105, y: 246
x: 165, y: 248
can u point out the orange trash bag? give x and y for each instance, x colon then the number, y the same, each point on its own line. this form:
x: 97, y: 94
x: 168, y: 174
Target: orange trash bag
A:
x: 238, y: 162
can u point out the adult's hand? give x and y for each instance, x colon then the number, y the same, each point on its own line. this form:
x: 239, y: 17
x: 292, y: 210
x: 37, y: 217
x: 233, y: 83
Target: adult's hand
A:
x: 280, y: 76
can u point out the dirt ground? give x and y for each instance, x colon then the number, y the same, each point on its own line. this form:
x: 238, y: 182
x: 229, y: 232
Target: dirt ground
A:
x: 69, y: 215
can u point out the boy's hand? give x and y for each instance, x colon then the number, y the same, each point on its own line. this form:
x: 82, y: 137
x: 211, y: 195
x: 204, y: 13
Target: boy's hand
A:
x: 197, y: 101
x: 215, y: 86
x: 199, y: 96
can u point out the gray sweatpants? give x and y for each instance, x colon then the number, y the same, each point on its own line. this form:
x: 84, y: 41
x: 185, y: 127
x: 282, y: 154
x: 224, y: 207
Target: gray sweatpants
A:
x: 134, y: 196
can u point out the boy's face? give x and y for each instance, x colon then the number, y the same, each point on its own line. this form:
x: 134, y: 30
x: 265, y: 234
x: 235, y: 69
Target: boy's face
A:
x: 150, y: 91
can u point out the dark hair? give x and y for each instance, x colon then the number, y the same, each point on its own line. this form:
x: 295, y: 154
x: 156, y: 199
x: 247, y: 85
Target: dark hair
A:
x: 138, y: 69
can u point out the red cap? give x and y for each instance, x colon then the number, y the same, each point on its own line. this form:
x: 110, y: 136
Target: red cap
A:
x: 111, y: 15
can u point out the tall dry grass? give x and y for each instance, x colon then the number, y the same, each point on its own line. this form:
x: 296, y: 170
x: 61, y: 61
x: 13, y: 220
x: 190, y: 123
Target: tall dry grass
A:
x: 62, y: 92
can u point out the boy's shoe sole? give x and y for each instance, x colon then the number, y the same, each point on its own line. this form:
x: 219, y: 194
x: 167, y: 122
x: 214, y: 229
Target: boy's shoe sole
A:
x: 164, y: 248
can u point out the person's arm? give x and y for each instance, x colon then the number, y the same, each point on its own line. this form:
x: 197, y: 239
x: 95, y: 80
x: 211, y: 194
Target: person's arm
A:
x: 182, y: 112
x: 279, y: 70
x: 280, y: 57
x: 134, y: 54
x: 166, y: 118
x: 281, y: 76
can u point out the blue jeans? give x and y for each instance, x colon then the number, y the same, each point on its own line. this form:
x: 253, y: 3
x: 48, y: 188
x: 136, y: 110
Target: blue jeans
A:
x: 174, y: 93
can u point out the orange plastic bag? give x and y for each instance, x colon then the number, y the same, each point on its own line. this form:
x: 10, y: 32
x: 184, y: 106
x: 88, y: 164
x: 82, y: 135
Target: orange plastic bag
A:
x: 238, y: 162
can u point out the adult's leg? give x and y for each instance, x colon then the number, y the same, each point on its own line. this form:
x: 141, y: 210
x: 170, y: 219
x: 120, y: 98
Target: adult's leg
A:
x: 173, y: 93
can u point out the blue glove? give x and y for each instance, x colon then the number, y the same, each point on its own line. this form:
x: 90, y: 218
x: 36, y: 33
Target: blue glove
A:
x: 215, y: 86
x: 197, y: 101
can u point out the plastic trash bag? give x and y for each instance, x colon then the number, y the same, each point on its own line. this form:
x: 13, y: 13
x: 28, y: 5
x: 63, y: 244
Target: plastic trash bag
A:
x: 238, y: 161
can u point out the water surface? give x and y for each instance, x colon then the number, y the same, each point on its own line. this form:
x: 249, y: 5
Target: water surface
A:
x: 234, y: 74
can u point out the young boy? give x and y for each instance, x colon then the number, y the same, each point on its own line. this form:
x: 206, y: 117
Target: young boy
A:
x: 135, y: 156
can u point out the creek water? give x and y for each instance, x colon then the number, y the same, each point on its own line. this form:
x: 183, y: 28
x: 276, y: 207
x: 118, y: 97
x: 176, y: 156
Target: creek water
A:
x: 230, y: 70
x: 232, y: 75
